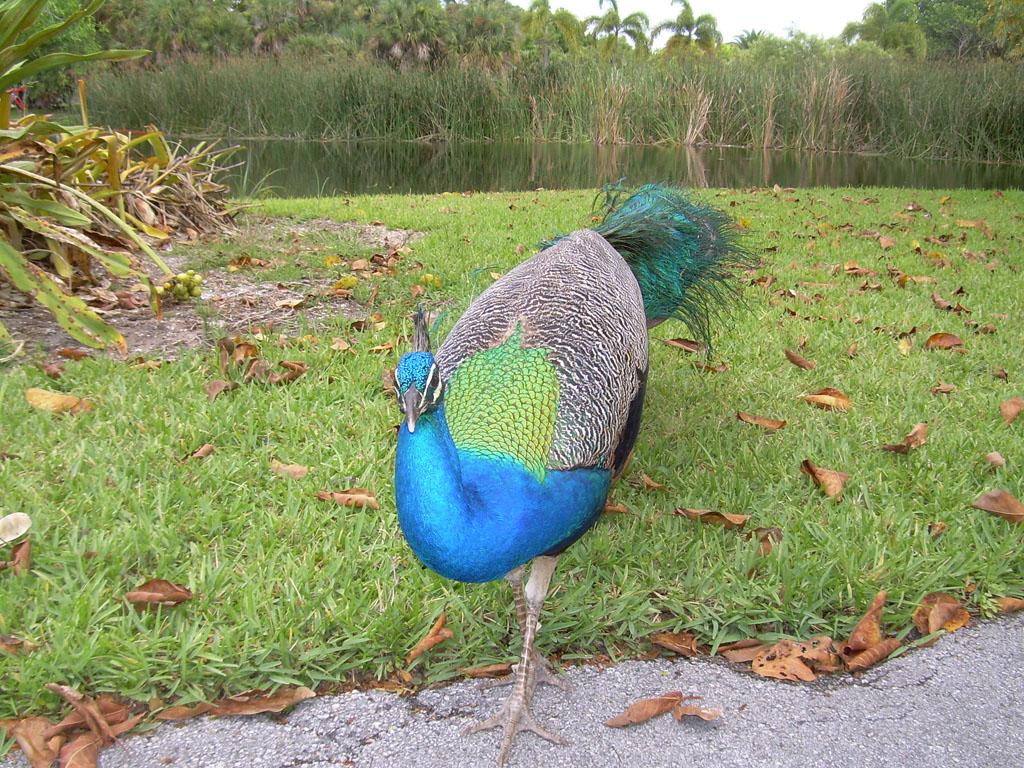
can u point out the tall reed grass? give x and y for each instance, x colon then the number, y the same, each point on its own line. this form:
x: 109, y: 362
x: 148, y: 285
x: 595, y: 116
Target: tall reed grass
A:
x: 969, y: 111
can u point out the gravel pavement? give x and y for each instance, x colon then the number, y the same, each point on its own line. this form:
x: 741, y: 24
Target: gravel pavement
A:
x: 958, y: 703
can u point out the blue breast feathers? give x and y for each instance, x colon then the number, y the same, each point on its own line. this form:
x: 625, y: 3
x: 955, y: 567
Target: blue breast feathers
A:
x: 474, y: 518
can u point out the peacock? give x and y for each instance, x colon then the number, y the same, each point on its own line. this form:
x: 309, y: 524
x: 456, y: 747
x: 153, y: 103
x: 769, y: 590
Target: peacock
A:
x: 514, y: 430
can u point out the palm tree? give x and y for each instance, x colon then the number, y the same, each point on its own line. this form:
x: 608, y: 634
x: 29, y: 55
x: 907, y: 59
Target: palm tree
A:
x: 409, y: 33
x: 746, y: 39
x: 612, y: 30
x: 545, y: 28
x: 891, y: 25
x: 688, y: 30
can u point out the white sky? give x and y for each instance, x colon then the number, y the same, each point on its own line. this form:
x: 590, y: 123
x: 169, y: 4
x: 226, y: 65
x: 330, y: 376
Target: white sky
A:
x: 818, y: 17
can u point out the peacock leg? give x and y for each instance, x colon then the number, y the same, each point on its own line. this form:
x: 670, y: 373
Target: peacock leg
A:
x: 515, y: 716
x: 543, y: 672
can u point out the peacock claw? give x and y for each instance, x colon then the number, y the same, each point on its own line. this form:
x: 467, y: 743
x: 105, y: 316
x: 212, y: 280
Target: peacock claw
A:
x: 515, y: 717
x: 543, y: 671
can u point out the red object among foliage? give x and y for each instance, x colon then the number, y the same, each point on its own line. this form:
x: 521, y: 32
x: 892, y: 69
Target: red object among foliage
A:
x: 17, y: 96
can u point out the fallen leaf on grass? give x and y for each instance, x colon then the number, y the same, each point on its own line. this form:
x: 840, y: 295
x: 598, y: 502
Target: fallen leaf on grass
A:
x: 339, y: 344
x: 158, y: 592
x: 437, y: 634
x: 1001, y: 503
x: 294, y: 471
x: 57, y: 402
x: 724, y: 519
x: 73, y: 353
x: 14, y: 645
x: 943, y: 341
x: 783, y: 662
x: 767, y: 538
x: 1011, y: 409
x: 886, y: 242
x: 873, y: 655
x: 939, y: 610
x: 868, y: 632
x: 742, y: 650
x: 53, y: 370
x: 643, y: 710
x: 88, y: 709
x: 21, y: 557
x: 683, y: 643
x: 255, y: 704
x: 760, y: 421
x: 687, y: 345
x: 651, y: 485
x: 995, y: 460
x: 214, y: 388
x: 937, y: 529
x: 1010, y: 604
x: 202, y: 451
x: 488, y: 670
x: 353, y: 497
x: 290, y: 303
x: 799, y: 361
x: 40, y: 751
x: 829, y: 399
x: 707, y: 368
x: 112, y: 711
x: 905, y: 345
x: 851, y: 351
x: 14, y: 526
x: 943, y: 389
x: 915, y: 439
x: 831, y: 481
x: 692, y: 710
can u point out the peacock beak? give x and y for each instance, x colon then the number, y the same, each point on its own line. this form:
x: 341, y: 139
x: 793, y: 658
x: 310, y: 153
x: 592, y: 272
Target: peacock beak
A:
x: 411, y: 401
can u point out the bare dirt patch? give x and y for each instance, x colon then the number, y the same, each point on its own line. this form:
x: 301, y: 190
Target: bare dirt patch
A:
x: 233, y: 301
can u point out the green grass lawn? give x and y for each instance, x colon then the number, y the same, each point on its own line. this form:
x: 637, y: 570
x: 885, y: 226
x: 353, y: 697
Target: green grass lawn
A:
x: 291, y: 589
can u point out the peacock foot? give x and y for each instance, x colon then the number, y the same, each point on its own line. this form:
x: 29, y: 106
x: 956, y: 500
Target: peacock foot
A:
x: 544, y: 673
x: 515, y: 717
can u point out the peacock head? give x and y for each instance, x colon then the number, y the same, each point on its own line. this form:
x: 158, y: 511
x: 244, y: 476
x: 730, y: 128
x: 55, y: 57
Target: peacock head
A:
x: 418, y: 383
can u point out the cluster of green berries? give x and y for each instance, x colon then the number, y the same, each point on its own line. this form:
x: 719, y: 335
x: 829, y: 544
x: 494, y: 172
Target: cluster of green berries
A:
x: 182, y: 286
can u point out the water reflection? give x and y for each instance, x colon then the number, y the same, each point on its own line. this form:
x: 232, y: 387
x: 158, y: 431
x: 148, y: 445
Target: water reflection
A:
x: 312, y: 168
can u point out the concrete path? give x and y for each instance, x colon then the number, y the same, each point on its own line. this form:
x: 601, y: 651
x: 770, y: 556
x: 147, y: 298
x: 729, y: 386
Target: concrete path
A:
x: 958, y: 703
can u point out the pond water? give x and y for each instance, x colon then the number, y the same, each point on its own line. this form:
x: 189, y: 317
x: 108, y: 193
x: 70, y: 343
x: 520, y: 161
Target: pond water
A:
x: 309, y: 168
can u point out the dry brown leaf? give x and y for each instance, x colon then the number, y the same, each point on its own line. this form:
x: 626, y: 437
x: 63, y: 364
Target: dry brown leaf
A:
x: 112, y: 710
x: 57, y: 402
x: 687, y: 345
x: 800, y: 361
x: 294, y: 471
x: 184, y: 713
x: 760, y: 421
x: 831, y: 481
x: 158, y: 592
x: 943, y: 389
x: 615, y: 509
x: 995, y: 460
x: 692, y: 710
x: 872, y: 655
x: 88, y: 708
x: 643, y: 710
x: 767, y: 538
x: 501, y: 669
x: 851, y: 351
x: 202, y: 451
x: 943, y: 341
x: 724, y: 519
x: 1010, y: 604
x: 339, y: 344
x: 683, y: 643
x: 937, y: 529
x: 73, y: 353
x: 886, y: 242
x: 53, y: 370
x: 214, y: 388
x: 1001, y: 503
x: 783, y: 662
x: 352, y: 497
x: 14, y: 645
x: 1001, y: 374
x: 914, y: 439
x: 293, y: 369
x: 719, y: 368
x: 868, y: 632
x: 1010, y: 409
x: 651, y: 485
x: 939, y: 610
x: 21, y: 557
x: 742, y: 650
x: 258, y: 703
x: 40, y: 751
x: 829, y: 399
x: 14, y: 526
x: 820, y: 654
x: 437, y: 634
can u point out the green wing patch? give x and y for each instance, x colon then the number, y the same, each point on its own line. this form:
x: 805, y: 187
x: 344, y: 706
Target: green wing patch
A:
x: 503, y: 402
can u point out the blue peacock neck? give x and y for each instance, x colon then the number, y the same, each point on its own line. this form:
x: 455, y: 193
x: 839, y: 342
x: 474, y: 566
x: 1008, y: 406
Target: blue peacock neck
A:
x: 474, y: 517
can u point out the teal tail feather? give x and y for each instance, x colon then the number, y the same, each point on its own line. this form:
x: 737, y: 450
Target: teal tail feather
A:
x: 681, y: 252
